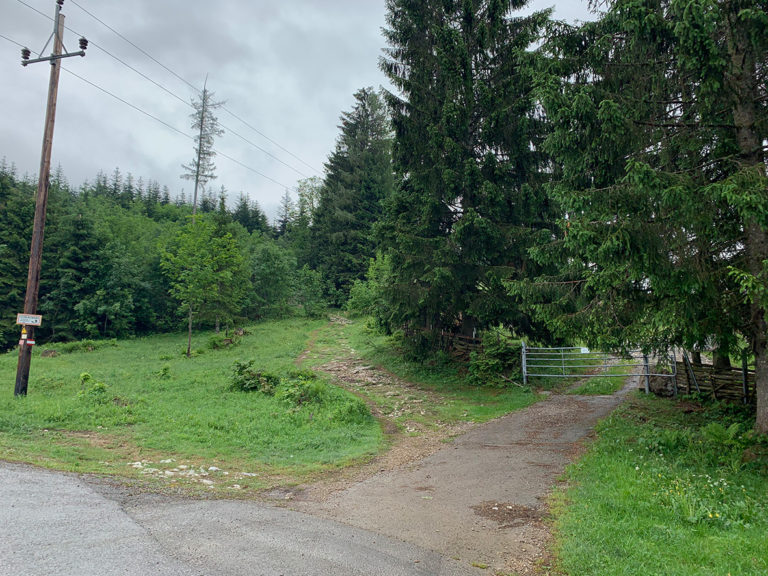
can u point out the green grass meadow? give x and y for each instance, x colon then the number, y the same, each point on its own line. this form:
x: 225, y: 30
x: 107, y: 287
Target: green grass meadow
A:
x: 604, y: 384
x: 668, y: 488
x: 145, y: 401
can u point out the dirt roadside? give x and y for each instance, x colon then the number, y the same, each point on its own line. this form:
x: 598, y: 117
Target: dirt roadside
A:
x: 474, y: 493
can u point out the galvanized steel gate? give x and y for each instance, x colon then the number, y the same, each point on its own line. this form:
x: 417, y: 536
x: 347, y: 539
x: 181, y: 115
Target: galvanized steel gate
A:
x: 577, y: 362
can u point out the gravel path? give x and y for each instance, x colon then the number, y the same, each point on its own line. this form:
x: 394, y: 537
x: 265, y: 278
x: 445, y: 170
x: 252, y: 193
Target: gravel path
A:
x: 480, y: 498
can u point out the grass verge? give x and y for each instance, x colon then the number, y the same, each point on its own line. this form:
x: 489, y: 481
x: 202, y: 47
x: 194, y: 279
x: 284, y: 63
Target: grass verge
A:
x: 669, y: 488
x: 140, y: 409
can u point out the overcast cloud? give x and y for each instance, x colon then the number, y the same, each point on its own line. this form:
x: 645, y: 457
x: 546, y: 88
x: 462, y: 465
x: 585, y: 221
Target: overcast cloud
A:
x: 288, y: 68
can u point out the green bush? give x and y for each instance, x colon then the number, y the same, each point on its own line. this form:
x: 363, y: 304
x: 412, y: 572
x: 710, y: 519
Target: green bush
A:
x: 248, y: 379
x: 220, y: 341
x: 303, y: 388
x: 353, y: 411
x: 498, y: 362
x: 92, y: 390
x: 302, y: 374
x: 368, y: 298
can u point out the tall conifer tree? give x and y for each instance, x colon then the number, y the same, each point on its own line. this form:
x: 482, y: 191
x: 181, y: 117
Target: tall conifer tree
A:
x: 660, y: 119
x: 467, y: 156
x: 358, y: 178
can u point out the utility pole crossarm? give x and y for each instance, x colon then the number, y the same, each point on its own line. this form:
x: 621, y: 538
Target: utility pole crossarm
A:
x: 52, y: 57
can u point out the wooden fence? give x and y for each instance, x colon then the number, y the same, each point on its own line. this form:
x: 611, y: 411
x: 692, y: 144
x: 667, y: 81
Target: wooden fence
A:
x: 733, y: 385
x: 456, y: 345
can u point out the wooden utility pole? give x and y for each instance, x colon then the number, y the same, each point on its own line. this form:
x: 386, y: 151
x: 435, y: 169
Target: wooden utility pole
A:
x: 41, y: 200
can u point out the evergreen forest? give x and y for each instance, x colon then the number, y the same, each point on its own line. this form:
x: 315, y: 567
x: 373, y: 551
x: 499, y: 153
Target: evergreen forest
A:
x: 601, y: 183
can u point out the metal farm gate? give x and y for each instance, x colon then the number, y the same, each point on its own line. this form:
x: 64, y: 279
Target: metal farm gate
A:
x: 577, y: 362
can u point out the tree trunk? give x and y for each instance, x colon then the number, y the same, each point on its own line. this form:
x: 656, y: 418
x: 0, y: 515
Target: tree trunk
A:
x: 757, y: 253
x: 189, y: 335
x: 742, y: 81
x: 721, y: 360
x: 696, y: 358
x: 761, y: 384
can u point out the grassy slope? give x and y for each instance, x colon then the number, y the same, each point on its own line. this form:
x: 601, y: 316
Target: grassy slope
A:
x: 666, y: 492
x: 159, y: 405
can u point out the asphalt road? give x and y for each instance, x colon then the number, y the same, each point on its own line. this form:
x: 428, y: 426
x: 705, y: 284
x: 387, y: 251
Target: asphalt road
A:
x: 55, y: 524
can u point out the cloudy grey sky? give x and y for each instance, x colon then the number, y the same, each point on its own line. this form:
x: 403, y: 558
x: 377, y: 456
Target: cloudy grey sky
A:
x: 287, y: 68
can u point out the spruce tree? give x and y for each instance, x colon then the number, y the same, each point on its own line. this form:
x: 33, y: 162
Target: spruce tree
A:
x: 16, y: 214
x: 248, y: 214
x: 468, y: 160
x: 659, y: 122
x: 202, y: 169
x: 72, y: 268
x: 286, y: 214
x: 358, y: 178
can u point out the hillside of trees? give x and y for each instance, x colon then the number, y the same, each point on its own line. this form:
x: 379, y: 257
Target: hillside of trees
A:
x: 603, y: 182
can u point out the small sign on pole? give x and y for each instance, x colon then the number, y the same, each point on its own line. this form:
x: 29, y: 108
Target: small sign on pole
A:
x: 29, y: 319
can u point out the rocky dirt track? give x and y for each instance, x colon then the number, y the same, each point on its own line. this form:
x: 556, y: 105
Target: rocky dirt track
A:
x: 473, y: 493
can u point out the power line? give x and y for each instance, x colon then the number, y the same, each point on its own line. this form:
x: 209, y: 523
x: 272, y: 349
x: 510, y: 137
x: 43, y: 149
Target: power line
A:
x: 147, y: 54
x: 144, y: 112
x: 252, y: 170
x: 244, y: 139
x: 228, y: 111
x: 228, y: 129
x: 43, y: 14
x: 187, y: 103
x: 108, y: 53
x: 12, y: 41
x: 169, y: 70
x: 164, y: 123
x: 163, y: 88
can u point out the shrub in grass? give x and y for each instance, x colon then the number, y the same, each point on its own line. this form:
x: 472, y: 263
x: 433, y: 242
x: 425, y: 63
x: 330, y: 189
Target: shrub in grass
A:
x: 353, y: 411
x: 92, y: 390
x: 165, y: 372
x: 302, y: 375
x: 301, y: 388
x: 246, y: 378
x: 220, y: 341
x: 498, y: 361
